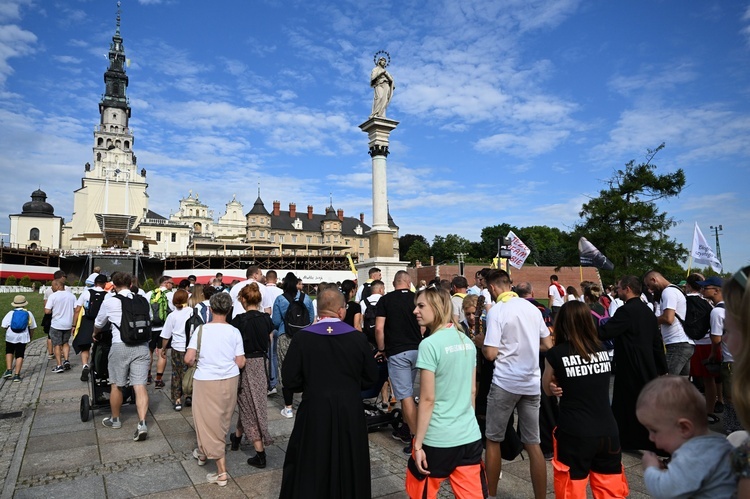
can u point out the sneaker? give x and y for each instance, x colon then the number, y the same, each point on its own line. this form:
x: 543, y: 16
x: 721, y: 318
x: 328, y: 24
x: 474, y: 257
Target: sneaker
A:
x: 408, y: 449
x: 287, y: 413
x: 66, y: 365
x: 159, y: 384
x: 141, y: 432
x: 8, y: 374
x: 272, y: 391
x: 111, y: 423
x: 58, y: 369
x: 402, y: 433
x: 200, y: 457
x: 50, y: 356
x: 17, y: 378
x: 85, y: 373
x: 149, y: 380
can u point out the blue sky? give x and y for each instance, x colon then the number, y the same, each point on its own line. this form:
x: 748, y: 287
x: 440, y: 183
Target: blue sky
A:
x: 510, y: 111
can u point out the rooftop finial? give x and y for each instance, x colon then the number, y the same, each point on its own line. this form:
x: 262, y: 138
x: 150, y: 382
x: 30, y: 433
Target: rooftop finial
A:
x: 117, y: 31
x: 258, y: 188
x: 330, y: 195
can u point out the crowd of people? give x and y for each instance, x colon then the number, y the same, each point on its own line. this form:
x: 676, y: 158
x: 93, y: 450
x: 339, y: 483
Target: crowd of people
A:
x: 463, y: 362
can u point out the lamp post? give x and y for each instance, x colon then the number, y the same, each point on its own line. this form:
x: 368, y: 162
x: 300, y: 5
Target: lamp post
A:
x: 716, y: 229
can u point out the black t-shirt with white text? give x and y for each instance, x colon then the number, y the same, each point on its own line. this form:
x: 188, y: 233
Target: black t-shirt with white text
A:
x: 584, y: 405
x: 401, y: 329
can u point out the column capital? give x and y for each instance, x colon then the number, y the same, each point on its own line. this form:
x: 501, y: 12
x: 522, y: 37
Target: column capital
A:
x: 379, y: 150
x: 378, y: 131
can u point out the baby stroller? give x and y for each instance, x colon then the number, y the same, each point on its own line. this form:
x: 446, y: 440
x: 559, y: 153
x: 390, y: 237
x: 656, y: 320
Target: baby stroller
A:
x: 376, y: 417
x: 98, y: 385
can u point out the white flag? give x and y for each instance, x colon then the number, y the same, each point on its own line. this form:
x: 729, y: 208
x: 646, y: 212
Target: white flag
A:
x: 518, y: 251
x: 702, y: 252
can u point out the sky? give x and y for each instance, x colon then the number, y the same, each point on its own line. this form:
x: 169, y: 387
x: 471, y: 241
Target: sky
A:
x: 513, y: 111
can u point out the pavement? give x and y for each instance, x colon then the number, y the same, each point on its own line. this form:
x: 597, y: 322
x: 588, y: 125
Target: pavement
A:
x: 47, y: 451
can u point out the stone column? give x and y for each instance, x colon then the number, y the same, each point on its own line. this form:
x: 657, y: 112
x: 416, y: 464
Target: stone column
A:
x: 381, y: 236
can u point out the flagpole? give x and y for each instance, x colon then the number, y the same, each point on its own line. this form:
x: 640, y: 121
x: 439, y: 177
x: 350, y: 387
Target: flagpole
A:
x: 580, y: 267
x: 690, y: 262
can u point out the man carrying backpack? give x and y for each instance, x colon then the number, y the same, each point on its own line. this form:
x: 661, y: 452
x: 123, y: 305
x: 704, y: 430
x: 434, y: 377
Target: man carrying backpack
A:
x: 20, y: 324
x: 60, y: 307
x: 160, y: 301
x: 89, y: 304
x: 289, y: 317
x: 678, y: 345
x: 127, y: 361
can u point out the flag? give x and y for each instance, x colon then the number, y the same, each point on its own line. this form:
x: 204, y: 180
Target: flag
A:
x: 702, y: 252
x: 351, y: 264
x: 592, y: 257
x: 519, y: 252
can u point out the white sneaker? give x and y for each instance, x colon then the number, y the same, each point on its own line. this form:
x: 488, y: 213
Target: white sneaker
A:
x: 287, y: 413
x: 272, y: 391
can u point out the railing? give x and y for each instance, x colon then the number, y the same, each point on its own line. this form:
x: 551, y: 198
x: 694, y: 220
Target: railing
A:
x: 16, y: 289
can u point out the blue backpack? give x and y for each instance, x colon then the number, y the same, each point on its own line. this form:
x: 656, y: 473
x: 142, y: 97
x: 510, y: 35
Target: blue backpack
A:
x: 20, y: 320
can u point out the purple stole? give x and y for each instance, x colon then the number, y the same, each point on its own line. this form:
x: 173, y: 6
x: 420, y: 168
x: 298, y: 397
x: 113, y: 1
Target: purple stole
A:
x: 329, y: 328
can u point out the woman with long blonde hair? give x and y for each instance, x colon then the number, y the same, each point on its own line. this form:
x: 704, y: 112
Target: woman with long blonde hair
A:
x: 447, y: 443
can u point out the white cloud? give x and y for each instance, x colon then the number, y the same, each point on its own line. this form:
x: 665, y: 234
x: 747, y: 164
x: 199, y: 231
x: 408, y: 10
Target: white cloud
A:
x: 66, y: 59
x: 10, y: 10
x: 532, y: 143
x: 14, y: 42
x: 654, y: 79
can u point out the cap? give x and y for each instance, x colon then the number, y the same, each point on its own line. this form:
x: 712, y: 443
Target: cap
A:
x: 711, y: 281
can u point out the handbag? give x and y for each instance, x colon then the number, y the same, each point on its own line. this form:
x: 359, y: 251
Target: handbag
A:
x: 187, y: 378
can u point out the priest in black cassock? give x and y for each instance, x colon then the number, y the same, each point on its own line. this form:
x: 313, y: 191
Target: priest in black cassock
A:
x: 639, y: 358
x: 330, y: 362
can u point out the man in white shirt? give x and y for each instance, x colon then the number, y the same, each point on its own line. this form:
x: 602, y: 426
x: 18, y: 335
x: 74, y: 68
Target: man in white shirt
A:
x: 555, y: 296
x: 89, y: 308
x: 60, y: 306
x: 126, y: 362
x: 46, y: 319
x: 672, y: 304
x: 166, y: 285
x: 254, y: 275
x: 515, y: 335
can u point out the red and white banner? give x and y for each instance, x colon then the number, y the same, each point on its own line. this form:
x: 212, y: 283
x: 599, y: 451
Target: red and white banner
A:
x: 519, y: 252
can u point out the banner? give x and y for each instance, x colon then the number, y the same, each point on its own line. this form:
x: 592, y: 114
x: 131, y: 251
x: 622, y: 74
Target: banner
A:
x: 592, y: 257
x: 702, y: 252
x: 519, y: 252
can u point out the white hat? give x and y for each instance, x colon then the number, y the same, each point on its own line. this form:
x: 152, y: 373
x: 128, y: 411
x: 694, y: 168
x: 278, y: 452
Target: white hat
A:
x: 90, y: 280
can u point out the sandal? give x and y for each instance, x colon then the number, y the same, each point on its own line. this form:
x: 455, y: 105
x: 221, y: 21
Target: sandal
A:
x: 214, y: 478
x: 201, y: 458
x: 178, y: 406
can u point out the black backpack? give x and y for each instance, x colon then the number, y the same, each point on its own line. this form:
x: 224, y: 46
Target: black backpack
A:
x: 192, y: 324
x: 697, y: 321
x: 369, y: 321
x: 95, y: 303
x: 297, y: 316
x: 366, y: 291
x: 135, y: 327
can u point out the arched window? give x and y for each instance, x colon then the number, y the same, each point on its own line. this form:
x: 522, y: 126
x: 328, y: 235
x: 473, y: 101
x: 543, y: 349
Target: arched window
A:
x: 34, y: 234
x: 127, y: 145
x: 99, y: 141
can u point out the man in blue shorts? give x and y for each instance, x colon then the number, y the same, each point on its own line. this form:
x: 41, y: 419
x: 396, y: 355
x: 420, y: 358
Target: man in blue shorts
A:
x: 397, y: 335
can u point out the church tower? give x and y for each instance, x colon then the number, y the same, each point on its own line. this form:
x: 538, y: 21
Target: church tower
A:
x: 112, y: 199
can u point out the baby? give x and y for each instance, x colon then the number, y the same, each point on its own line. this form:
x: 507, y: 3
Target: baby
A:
x: 674, y: 413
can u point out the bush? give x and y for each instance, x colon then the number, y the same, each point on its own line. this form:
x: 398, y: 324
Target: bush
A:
x: 149, y: 285
x: 36, y: 285
x: 11, y: 280
x: 25, y: 281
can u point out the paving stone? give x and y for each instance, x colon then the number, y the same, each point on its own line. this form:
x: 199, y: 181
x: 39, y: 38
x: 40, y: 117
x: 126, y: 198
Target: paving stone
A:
x: 59, y: 460
x: 84, y: 487
x: 147, y: 479
x: 50, y: 443
x: 261, y: 485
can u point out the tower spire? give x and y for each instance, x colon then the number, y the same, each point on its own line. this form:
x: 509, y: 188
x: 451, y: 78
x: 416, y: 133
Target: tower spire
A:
x: 115, y: 79
x: 117, y: 31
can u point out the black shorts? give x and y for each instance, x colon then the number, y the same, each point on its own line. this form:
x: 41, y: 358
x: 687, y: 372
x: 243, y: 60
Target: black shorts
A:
x: 155, y: 341
x: 443, y: 460
x: 583, y: 454
x: 17, y: 349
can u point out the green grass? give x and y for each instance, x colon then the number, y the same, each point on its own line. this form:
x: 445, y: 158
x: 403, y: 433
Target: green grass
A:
x: 36, y: 307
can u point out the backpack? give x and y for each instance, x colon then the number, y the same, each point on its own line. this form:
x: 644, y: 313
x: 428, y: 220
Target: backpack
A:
x: 366, y: 291
x: 369, y: 321
x: 159, y: 308
x: 95, y: 303
x: 193, y: 323
x: 697, y: 321
x: 297, y: 316
x: 135, y: 327
x: 20, y: 320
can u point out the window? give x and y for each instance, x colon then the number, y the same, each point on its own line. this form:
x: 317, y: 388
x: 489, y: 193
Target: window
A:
x: 252, y: 233
x: 309, y: 239
x: 346, y: 241
x: 174, y: 237
x: 34, y: 234
x: 294, y: 238
x: 158, y: 236
x: 297, y: 224
x: 252, y: 220
x: 272, y: 238
x: 281, y: 238
x: 361, y: 243
x: 262, y: 233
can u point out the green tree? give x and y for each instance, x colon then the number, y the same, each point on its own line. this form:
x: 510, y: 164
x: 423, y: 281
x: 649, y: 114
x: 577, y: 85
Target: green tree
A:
x: 418, y: 251
x: 149, y: 285
x: 407, y: 240
x: 444, y: 249
x: 549, y: 246
x: 25, y: 281
x: 625, y: 223
x: 11, y: 280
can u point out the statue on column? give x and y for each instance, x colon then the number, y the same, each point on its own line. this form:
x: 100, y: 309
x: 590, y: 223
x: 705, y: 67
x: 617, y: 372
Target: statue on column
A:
x: 382, y: 83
